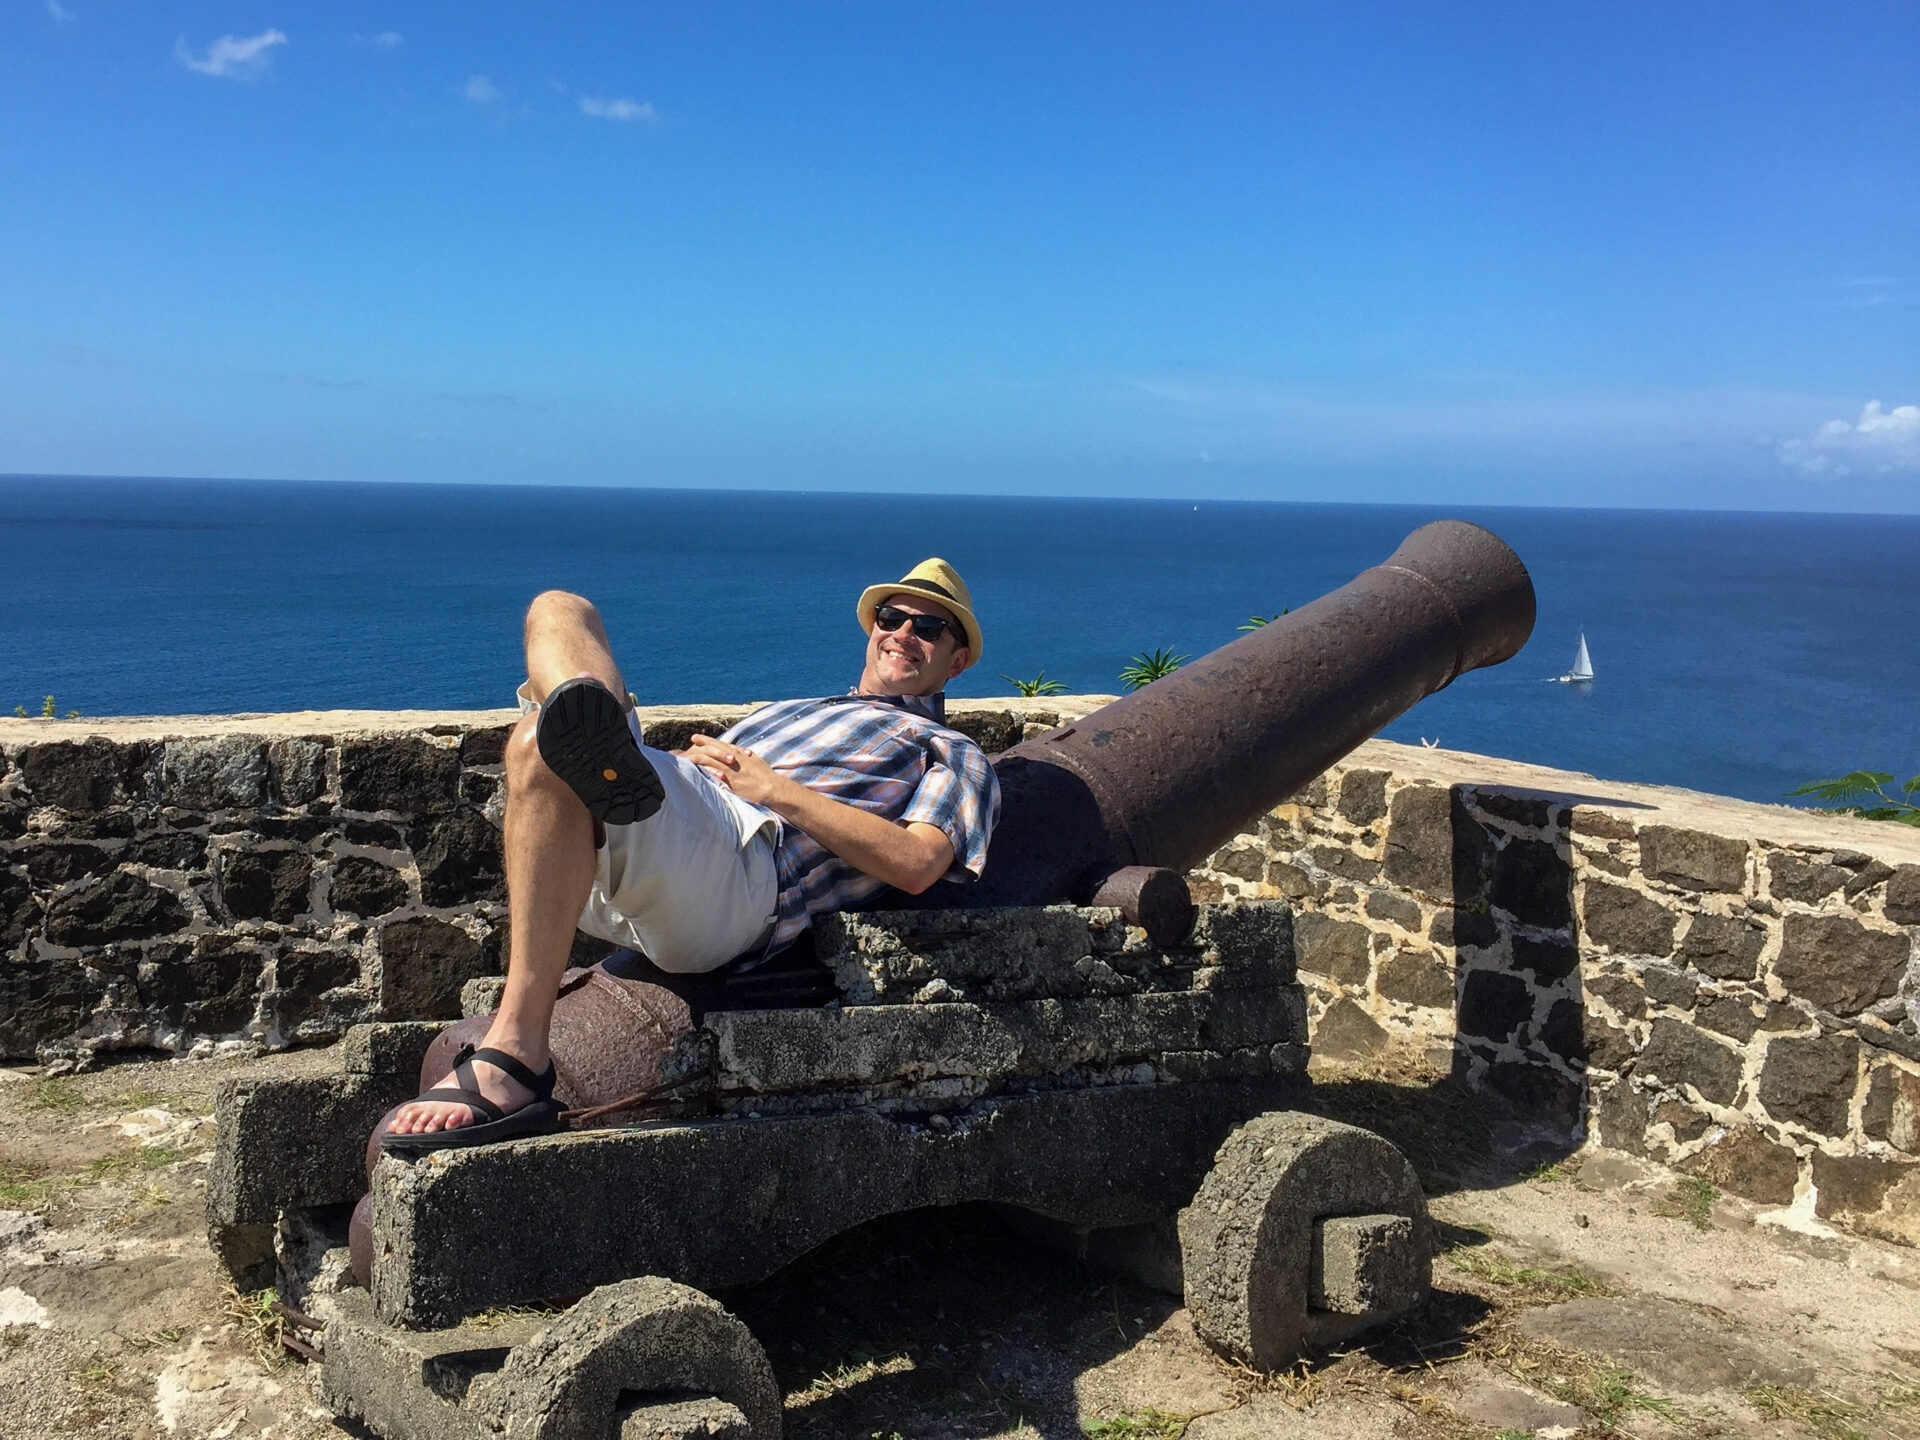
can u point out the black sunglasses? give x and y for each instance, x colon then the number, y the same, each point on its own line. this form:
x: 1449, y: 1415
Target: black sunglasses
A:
x: 925, y: 627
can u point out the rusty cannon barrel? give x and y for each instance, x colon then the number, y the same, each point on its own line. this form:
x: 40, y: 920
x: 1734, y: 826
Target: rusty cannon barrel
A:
x: 1101, y: 810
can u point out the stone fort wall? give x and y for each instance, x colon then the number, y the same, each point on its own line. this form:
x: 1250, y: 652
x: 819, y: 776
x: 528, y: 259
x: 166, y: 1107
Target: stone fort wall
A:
x: 1725, y: 987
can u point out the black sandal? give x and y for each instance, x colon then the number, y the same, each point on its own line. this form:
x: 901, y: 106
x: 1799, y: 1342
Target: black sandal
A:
x: 539, y: 1116
x: 583, y: 737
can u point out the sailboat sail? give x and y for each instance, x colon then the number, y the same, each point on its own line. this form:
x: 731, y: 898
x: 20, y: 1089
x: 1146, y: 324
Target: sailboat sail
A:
x: 1582, y: 663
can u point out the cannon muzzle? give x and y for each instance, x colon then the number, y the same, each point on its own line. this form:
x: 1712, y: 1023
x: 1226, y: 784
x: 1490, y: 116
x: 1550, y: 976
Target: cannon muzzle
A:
x: 1163, y: 777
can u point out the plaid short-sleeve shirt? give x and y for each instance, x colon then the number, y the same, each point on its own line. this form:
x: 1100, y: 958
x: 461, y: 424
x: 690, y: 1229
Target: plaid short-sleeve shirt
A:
x: 888, y: 754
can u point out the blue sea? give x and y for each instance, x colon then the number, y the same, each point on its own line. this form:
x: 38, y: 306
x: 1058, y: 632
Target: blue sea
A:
x: 1738, y: 653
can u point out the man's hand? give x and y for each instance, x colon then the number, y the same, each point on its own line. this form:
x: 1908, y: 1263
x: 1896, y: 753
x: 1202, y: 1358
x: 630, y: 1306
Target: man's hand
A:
x: 741, y: 771
x: 908, y: 857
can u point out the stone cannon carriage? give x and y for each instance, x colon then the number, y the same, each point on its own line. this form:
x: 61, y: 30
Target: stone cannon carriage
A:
x: 1121, y: 1077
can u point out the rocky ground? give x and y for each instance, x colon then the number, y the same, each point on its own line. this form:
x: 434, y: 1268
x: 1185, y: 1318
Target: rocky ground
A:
x: 1579, y: 1295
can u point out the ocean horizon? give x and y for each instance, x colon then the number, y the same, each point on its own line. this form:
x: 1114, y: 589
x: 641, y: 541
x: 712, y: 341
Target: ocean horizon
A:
x: 1740, y: 653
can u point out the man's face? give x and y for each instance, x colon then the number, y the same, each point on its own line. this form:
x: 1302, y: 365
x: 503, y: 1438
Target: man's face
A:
x: 901, y: 663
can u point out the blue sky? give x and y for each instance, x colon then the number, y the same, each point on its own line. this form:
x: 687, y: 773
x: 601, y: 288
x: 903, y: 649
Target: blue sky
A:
x: 1531, y: 254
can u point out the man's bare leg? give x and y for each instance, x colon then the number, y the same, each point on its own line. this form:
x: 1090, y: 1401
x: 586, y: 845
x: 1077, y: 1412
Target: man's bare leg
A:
x: 550, y: 864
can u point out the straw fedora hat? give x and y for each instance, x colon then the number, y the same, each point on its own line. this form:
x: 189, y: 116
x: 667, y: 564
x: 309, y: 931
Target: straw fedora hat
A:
x: 934, y: 580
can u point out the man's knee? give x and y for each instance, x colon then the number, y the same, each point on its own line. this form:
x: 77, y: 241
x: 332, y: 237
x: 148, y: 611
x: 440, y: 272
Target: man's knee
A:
x: 562, y: 609
x: 524, y: 766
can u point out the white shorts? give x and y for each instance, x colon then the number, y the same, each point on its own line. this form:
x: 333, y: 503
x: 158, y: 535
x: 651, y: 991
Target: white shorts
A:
x: 694, y: 884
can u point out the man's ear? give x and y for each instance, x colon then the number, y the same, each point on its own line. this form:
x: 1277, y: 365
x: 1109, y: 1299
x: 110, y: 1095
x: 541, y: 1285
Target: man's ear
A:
x: 962, y: 657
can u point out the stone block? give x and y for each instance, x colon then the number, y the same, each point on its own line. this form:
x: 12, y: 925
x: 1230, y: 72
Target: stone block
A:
x: 1344, y: 862
x: 226, y: 772
x: 208, y: 988
x: 169, y: 850
x: 1599, y: 824
x: 486, y: 745
x: 1290, y: 880
x: 304, y: 975
x: 1562, y: 1033
x: 1363, y: 796
x: 1619, y: 1115
x: 1416, y: 977
x: 460, y: 860
x: 992, y: 730
x: 1390, y: 906
x: 1061, y: 950
x: 1474, y: 928
x: 1624, y: 994
x: 265, y: 884
x: 1366, y: 1265
x: 1723, y: 946
x: 19, y: 911
x: 56, y: 864
x: 1337, y: 949
x: 1346, y: 1032
x: 1535, y: 812
x: 1745, y: 1161
x: 404, y: 774
x: 1533, y: 883
x: 1538, y: 1092
x: 423, y: 964
x: 1811, y: 1081
x: 1100, y: 1156
x: 1804, y: 876
x: 1434, y: 847
x: 1874, y: 1196
x: 1838, y: 964
x: 1625, y: 921
x: 42, y: 1001
x: 1730, y: 1016
x: 767, y: 1052
x: 366, y: 887
x: 1865, y: 878
x: 1606, y: 1046
x: 1903, y: 896
x: 1493, y: 1005
x: 297, y: 770
x: 1243, y: 862
x: 123, y: 906
x: 1891, y: 1111
x: 84, y: 775
x: 1666, y: 986
x: 1686, y: 1123
x: 1545, y: 960
x: 1693, y: 860
x: 1677, y: 1054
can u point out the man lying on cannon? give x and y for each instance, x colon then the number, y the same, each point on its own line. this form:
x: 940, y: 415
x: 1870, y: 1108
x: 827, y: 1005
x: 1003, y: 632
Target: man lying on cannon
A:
x: 718, y: 854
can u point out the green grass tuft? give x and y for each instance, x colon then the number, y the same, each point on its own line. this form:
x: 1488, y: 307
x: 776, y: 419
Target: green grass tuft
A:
x: 1690, y: 1200
x: 1148, y: 1424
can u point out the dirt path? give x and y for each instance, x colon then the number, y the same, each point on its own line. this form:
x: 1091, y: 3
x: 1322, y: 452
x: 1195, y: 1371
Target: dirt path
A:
x: 1587, y: 1295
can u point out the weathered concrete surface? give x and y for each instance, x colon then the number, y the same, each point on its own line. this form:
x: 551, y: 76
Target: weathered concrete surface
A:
x: 1247, y: 1239
x: 573, y: 1376
x: 769, y: 1052
x: 1055, y: 951
x: 643, y: 1201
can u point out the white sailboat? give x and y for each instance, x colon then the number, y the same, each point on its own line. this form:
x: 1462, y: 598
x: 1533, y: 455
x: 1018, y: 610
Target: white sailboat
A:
x: 1582, y: 671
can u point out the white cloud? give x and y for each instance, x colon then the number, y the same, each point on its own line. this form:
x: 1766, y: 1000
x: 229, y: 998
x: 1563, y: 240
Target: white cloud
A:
x: 385, y: 40
x: 607, y: 109
x: 480, y: 90
x: 60, y: 13
x: 1878, y: 443
x: 231, y: 55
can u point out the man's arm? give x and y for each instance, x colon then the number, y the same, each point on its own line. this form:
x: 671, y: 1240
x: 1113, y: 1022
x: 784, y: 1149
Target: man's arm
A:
x: 909, y: 857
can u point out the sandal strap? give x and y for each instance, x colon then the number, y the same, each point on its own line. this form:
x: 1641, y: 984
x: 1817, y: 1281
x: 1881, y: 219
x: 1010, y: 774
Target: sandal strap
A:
x: 541, y: 1085
x: 472, y: 1099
